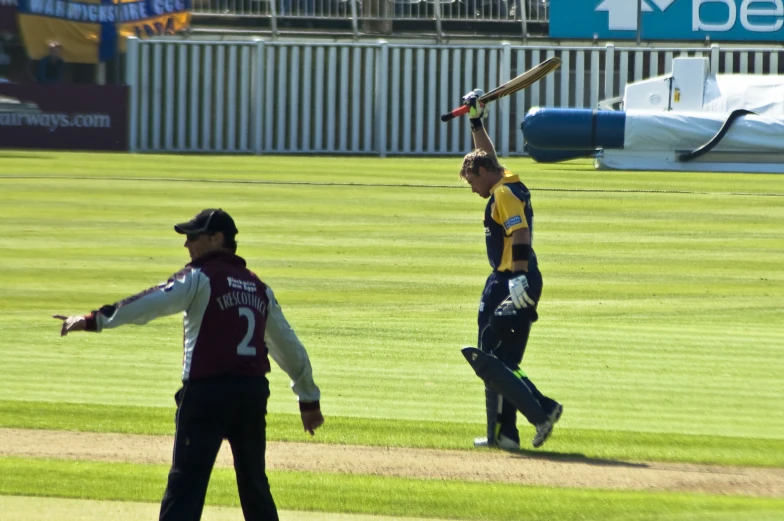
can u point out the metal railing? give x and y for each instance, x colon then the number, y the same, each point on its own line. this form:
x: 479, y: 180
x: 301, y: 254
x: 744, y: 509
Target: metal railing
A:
x: 373, y: 98
x: 379, y: 15
x: 535, y: 10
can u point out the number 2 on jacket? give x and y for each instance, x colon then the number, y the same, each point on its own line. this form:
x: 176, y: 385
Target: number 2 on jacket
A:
x: 243, y: 348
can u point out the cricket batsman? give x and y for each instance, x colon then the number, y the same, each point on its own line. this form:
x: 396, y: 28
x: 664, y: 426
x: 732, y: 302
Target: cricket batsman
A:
x: 508, y: 306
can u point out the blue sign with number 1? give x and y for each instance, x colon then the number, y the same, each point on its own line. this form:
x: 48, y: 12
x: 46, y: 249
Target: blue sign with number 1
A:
x: 721, y: 20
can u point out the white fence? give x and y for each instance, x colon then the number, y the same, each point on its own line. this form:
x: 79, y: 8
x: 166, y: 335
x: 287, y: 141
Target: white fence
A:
x: 375, y: 98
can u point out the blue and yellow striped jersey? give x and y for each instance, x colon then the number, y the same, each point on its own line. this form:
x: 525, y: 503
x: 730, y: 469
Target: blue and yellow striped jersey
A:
x: 508, y: 209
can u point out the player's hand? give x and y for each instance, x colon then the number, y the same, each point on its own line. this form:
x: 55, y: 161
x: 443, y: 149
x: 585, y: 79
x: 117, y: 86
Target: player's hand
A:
x: 74, y: 323
x: 519, y: 292
x: 506, y: 308
x: 312, y: 420
x: 478, y: 109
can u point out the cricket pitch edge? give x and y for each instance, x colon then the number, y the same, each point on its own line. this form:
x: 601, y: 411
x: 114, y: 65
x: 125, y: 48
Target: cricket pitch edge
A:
x: 487, y: 466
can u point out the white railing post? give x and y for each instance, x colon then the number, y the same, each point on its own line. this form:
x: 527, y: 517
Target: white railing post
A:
x: 356, y: 99
x: 408, y: 97
x: 220, y: 99
x: 194, y: 101
x: 524, y: 19
x: 536, y: 98
x: 280, y: 99
x: 269, y: 100
x: 520, y: 102
x: 274, y: 19
x: 168, y: 137
x: 609, y: 71
x: 231, y: 101
x: 369, y: 93
x: 419, y: 130
x: 432, y: 105
x: 344, y: 101
x: 307, y: 82
x: 354, y: 22
x: 504, y: 116
x: 437, y: 10
x: 382, y: 67
x: 132, y: 80
x: 579, y: 79
x: 245, y: 103
x: 144, y: 91
x: 332, y: 99
x: 549, y: 82
x: 566, y: 72
x: 182, y: 83
x: 715, y: 54
x: 594, y: 76
x: 294, y: 85
x: 206, y: 100
x: 446, y: 102
x: 394, y: 102
x: 157, y: 72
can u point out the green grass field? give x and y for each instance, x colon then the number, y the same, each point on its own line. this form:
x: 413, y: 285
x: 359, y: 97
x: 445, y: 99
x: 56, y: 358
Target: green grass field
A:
x: 661, y: 329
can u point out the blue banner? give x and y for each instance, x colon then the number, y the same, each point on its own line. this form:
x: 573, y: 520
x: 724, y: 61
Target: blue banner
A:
x: 93, y: 31
x: 673, y: 20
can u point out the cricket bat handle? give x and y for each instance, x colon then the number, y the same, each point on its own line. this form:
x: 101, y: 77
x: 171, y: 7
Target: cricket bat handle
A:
x: 456, y: 113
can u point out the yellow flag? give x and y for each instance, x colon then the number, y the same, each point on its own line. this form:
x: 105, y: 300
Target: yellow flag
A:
x: 88, y: 30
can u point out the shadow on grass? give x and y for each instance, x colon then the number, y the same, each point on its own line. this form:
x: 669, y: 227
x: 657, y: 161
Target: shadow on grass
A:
x: 574, y: 457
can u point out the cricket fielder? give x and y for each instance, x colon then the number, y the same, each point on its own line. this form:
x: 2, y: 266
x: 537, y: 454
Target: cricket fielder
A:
x: 232, y: 326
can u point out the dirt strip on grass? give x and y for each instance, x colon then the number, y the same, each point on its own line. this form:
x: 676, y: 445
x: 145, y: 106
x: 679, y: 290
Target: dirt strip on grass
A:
x: 525, y: 468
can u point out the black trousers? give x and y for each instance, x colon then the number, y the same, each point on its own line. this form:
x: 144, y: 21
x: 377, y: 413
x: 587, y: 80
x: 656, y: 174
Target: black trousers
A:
x: 209, y: 411
x: 507, y: 339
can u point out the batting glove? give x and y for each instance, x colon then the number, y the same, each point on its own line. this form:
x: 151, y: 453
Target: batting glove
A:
x: 519, y: 292
x: 478, y: 110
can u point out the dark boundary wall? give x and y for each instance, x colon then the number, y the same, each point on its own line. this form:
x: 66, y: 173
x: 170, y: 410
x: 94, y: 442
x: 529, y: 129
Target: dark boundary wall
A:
x: 64, y: 117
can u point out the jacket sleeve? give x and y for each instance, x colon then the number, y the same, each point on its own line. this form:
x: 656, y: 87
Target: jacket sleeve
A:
x: 170, y: 297
x: 289, y: 353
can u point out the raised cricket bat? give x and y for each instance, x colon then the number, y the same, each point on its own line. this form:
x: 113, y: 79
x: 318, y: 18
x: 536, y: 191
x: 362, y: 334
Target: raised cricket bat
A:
x: 521, y: 82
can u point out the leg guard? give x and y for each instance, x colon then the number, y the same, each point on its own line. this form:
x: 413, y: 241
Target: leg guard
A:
x: 492, y: 403
x: 547, y: 403
x: 502, y: 380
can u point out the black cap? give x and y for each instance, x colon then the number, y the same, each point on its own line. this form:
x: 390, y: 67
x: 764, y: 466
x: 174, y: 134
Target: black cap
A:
x: 211, y: 220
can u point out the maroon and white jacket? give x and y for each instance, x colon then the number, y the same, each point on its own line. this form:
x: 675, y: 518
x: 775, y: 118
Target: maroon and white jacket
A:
x: 231, y: 323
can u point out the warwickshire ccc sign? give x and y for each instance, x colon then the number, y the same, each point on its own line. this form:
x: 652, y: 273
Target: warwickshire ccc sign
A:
x: 721, y: 20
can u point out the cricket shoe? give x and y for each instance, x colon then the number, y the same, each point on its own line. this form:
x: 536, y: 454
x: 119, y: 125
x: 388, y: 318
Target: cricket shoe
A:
x: 544, y: 430
x: 502, y: 442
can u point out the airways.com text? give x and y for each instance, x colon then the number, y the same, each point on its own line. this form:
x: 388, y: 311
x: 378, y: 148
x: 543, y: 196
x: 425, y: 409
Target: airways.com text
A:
x: 53, y: 121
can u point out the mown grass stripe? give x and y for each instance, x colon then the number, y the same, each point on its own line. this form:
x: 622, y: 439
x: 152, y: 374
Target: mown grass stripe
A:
x: 385, y: 185
x: 377, y: 495
x: 26, y: 508
x: 582, y: 444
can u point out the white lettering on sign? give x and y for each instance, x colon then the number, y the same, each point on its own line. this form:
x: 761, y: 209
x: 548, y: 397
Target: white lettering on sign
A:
x: 772, y: 10
x: 698, y: 25
x: 777, y: 9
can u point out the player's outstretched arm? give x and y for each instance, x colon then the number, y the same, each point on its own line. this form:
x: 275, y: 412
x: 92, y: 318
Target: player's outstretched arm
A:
x: 167, y: 298
x: 476, y: 117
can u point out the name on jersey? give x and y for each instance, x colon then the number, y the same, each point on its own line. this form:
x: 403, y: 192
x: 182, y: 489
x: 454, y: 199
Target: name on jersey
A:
x: 241, y: 299
x: 244, y: 285
x: 512, y: 221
